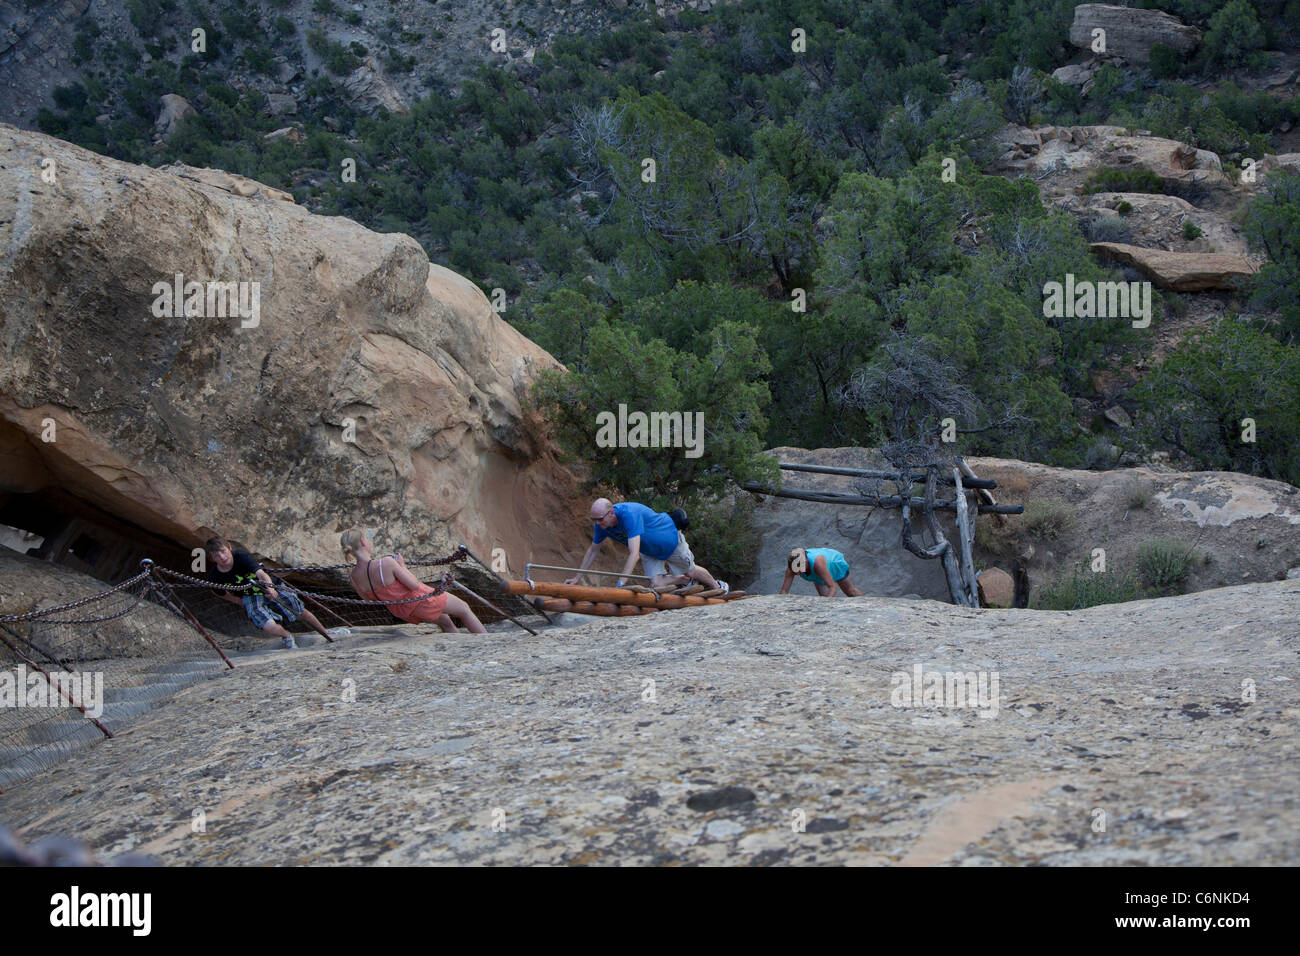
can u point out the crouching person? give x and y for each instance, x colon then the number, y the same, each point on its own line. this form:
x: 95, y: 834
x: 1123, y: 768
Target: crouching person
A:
x: 266, y: 598
x: 826, y: 568
x: 387, y: 579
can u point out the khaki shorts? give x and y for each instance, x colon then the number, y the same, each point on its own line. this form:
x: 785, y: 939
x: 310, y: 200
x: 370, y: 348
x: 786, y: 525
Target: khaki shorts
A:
x: 679, y: 562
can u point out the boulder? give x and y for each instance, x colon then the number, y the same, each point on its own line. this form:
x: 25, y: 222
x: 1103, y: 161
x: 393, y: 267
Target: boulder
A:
x: 996, y: 587
x: 1182, y: 271
x: 367, y: 89
x: 290, y: 133
x: 1074, y: 74
x: 1130, y: 32
x: 1066, y: 159
x: 280, y: 104
x: 175, y: 109
x: 369, y: 387
x: 1118, y: 417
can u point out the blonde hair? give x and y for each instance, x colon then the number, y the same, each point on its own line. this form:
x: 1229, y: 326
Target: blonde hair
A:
x: 349, y: 540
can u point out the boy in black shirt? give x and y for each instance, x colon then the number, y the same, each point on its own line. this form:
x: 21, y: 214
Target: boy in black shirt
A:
x: 266, y: 599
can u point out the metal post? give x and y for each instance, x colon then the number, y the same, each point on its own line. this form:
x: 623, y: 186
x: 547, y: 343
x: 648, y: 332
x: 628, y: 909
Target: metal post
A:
x: 163, y: 590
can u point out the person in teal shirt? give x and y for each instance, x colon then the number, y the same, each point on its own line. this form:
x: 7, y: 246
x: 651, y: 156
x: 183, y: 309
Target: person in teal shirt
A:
x: 826, y: 568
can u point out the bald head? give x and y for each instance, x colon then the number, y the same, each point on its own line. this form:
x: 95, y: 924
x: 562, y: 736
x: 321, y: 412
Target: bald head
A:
x: 599, y: 508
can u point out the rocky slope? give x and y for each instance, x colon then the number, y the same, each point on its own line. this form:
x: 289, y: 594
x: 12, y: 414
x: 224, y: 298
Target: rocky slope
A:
x: 369, y: 388
x: 1153, y: 733
x: 442, y: 42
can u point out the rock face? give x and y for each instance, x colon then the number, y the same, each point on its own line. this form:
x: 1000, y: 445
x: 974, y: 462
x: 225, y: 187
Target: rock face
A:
x: 359, y: 385
x: 1176, y: 719
x: 1222, y: 514
x: 368, y: 91
x: 1131, y: 33
x: 867, y: 537
x: 1085, y: 148
x: 1158, y: 221
x: 1182, y: 271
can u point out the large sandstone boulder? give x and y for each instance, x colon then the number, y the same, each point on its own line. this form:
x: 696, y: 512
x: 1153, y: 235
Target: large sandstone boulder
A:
x: 1182, y: 271
x: 184, y: 425
x: 1131, y: 33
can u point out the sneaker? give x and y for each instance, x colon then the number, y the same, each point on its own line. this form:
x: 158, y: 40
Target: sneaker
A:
x: 289, y: 645
x: 726, y: 588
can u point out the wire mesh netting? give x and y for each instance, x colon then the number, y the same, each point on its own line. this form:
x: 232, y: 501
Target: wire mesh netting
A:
x: 75, y: 673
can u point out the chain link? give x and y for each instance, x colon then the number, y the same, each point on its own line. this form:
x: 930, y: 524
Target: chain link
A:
x: 446, y: 581
x: 460, y: 554
x: 47, y: 611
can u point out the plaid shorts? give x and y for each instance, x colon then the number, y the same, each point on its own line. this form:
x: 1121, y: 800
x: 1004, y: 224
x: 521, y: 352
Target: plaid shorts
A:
x: 262, y: 609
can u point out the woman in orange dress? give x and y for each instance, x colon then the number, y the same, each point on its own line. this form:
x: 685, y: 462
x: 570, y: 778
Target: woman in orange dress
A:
x: 387, y: 579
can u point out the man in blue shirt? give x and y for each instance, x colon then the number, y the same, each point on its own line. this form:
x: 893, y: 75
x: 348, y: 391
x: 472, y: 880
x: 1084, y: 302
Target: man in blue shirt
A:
x: 650, y: 536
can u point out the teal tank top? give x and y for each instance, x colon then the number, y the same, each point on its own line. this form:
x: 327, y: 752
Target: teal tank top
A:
x: 836, y: 563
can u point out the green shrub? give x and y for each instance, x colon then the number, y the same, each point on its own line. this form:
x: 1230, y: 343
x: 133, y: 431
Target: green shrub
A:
x: 1165, y: 61
x: 1086, y: 588
x: 1233, y: 37
x: 1164, y: 564
x: 1124, y: 208
x: 337, y: 58
x: 723, y: 536
x: 1114, y: 180
x: 1137, y: 494
x: 1191, y: 230
x: 991, y: 541
x: 1044, y: 518
x: 1103, y: 228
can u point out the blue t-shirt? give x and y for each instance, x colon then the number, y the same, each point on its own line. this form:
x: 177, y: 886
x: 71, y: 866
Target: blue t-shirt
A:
x: 836, y: 564
x: 657, y: 531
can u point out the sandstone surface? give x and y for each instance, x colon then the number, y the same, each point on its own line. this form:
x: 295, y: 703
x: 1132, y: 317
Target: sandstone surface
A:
x: 1152, y: 733
x: 1182, y: 271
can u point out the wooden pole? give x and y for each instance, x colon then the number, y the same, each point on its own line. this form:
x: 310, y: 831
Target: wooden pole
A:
x: 888, y: 475
x: 966, y: 535
x: 953, y: 574
x: 578, y: 592
x: 885, y: 501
